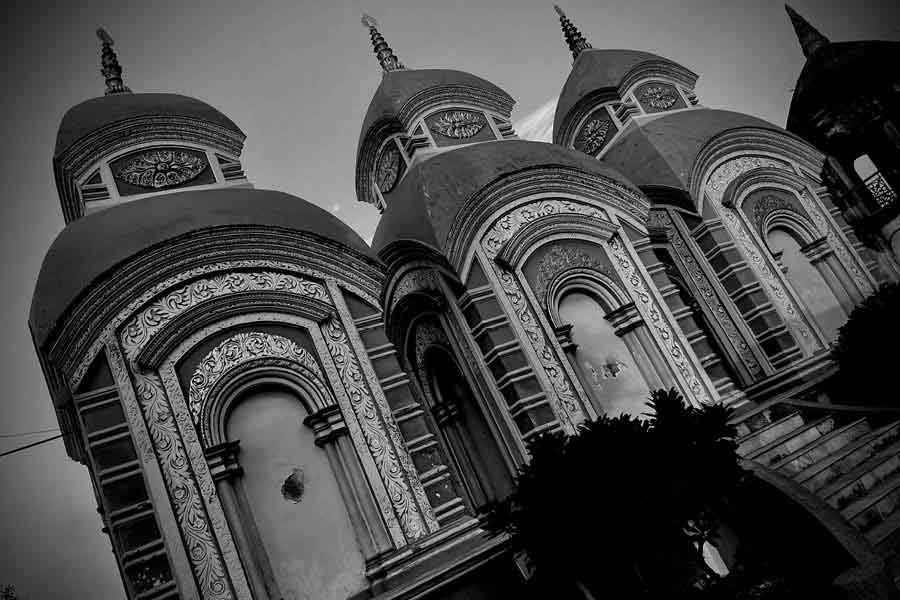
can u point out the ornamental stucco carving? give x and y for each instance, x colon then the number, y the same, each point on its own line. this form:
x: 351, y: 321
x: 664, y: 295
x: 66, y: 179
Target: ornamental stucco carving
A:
x: 561, y: 258
x: 176, y: 459
x: 156, y: 169
x: 387, y: 167
x: 567, y: 406
x: 239, y: 349
x: 592, y: 136
x: 653, y: 316
x: 660, y: 97
x: 715, y: 187
x: 413, y: 280
x: 706, y: 293
x: 458, y: 124
x: 768, y: 204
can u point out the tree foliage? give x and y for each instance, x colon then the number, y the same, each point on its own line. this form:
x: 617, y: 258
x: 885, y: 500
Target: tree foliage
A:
x: 622, y: 509
x: 865, y: 364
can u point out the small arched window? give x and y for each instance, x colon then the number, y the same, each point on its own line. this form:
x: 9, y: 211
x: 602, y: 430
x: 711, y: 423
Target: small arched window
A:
x: 875, y: 182
x: 605, y: 364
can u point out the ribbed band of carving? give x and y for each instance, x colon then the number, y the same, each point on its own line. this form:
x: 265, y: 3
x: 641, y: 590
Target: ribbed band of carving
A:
x: 110, y: 67
x: 574, y: 39
x: 386, y: 58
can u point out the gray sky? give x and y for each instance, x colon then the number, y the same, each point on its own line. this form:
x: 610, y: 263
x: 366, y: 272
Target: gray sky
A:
x: 297, y: 78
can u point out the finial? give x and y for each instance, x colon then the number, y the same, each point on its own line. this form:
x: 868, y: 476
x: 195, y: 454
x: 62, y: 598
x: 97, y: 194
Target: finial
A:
x: 810, y: 38
x: 574, y: 39
x: 111, y: 69
x: 386, y: 58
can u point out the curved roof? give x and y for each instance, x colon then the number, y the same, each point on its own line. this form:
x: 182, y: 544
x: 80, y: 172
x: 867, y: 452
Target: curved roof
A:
x: 662, y: 150
x: 840, y: 71
x: 423, y: 206
x: 597, y: 69
x: 89, y: 247
x: 398, y: 87
x: 82, y: 119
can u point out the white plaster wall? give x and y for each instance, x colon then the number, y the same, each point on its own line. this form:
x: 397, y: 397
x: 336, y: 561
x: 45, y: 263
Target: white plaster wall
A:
x: 310, y: 544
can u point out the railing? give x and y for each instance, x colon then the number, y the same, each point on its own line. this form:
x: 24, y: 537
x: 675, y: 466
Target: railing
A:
x: 882, y: 192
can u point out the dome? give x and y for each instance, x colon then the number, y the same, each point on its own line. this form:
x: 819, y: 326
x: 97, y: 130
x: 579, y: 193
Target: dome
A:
x: 838, y: 72
x: 89, y: 247
x: 423, y: 206
x: 400, y: 88
x: 96, y: 113
x: 661, y: 151
x: 602, y: 69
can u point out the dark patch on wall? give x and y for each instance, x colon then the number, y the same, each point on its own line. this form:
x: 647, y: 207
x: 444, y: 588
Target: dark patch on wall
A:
x: 294, y: 485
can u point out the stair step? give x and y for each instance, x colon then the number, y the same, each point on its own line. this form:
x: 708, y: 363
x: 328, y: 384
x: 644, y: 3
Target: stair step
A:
x: 881, y: 532
x: 877, y: 463
x: 827, y: 475
x: 774, y: 430
x: 824, y: 447
x: 887, y: 488
x: 794, y: 440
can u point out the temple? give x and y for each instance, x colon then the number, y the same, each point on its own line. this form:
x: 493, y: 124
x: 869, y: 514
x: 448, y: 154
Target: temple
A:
x: 269, y: 407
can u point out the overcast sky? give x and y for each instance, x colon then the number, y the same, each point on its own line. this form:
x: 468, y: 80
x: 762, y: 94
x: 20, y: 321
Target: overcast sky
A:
x: 297, y: 78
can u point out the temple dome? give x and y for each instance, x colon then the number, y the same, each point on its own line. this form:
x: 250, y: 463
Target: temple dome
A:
x: 423, y: 206
x: 89, y: 247
x: 597, y: 70
x: 400, y: 91
x: 94, y: 114
x: 661, y: 151
x: 840, y: 72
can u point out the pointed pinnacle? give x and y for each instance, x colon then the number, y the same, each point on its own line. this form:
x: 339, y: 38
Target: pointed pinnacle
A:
x: 577, y: 43
x: 810, y: 38
x: 110, y: 67
x: 386, y: 57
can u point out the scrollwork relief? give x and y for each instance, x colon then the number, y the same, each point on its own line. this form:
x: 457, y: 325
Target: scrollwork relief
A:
x: 156, y: 169
x: 649, y: 307
x: 458, y: 124
x: 660, y: 97
x: 387, y: 167
x: 707, y: 294
x: 592, y: 136
x: 413, y: 281
x: 561, y: 258
x: 236, y: 350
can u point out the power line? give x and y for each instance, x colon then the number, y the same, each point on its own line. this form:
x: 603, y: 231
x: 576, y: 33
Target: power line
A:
x: 27, y: 446
x: 24, y: 433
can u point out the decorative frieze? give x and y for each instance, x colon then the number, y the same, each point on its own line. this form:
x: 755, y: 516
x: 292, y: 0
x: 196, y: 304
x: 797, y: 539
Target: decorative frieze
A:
x: 158, y: 169
x: 458, y: 124
x: 649, y: 307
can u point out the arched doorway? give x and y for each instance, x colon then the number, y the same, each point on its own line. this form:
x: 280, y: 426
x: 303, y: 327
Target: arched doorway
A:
x: 293, y: 499
x: 605, y: 364
x: 820, y: 301
x: 465, y: 430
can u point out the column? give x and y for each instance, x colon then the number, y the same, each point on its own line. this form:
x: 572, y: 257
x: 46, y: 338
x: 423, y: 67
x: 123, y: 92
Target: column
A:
x: 822, y: 257
x: 333, y: 437
x: 226, y: 471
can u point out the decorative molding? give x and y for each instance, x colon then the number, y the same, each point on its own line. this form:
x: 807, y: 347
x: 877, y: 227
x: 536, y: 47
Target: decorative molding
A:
x: 161, y: 168
x: 387, y: 167
x: 770, y: 203
x: 706, y: 294
x: 236, y: 350
x: 458, y: 124
x: 414, y: 280
x: 717, y: 183
x: 595, y: 224
x: 593, y: 135
x: 509, y: 224
x: 560, y: 259
x: 660, y: 97
x: 657, y: 324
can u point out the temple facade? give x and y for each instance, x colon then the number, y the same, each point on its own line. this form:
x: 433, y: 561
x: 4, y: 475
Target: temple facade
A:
x: 269, y: 407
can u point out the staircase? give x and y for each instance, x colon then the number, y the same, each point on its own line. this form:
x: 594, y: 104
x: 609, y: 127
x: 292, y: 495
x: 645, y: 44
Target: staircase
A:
x: 848, y: 456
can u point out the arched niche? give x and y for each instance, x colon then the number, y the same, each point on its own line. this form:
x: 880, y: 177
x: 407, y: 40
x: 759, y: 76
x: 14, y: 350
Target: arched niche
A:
x: 291, y: 506
x: 464, y: 427
x: 785, y: 242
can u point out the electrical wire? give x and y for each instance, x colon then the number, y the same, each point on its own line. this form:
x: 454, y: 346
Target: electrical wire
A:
x: 32, y: 445
x: 24, y: 433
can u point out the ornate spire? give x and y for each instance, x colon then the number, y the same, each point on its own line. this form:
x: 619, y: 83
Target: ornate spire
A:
x: 576, y: 41
x: 810, y: 38
x: 111, y: 69
x: 386, y: 58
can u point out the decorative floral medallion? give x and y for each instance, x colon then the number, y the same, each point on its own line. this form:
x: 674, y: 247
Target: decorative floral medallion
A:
x: 659, y: 97
x: 458, y: 124
x: 158, y: 169
x: 387, y: 167
x: 592, y: 136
